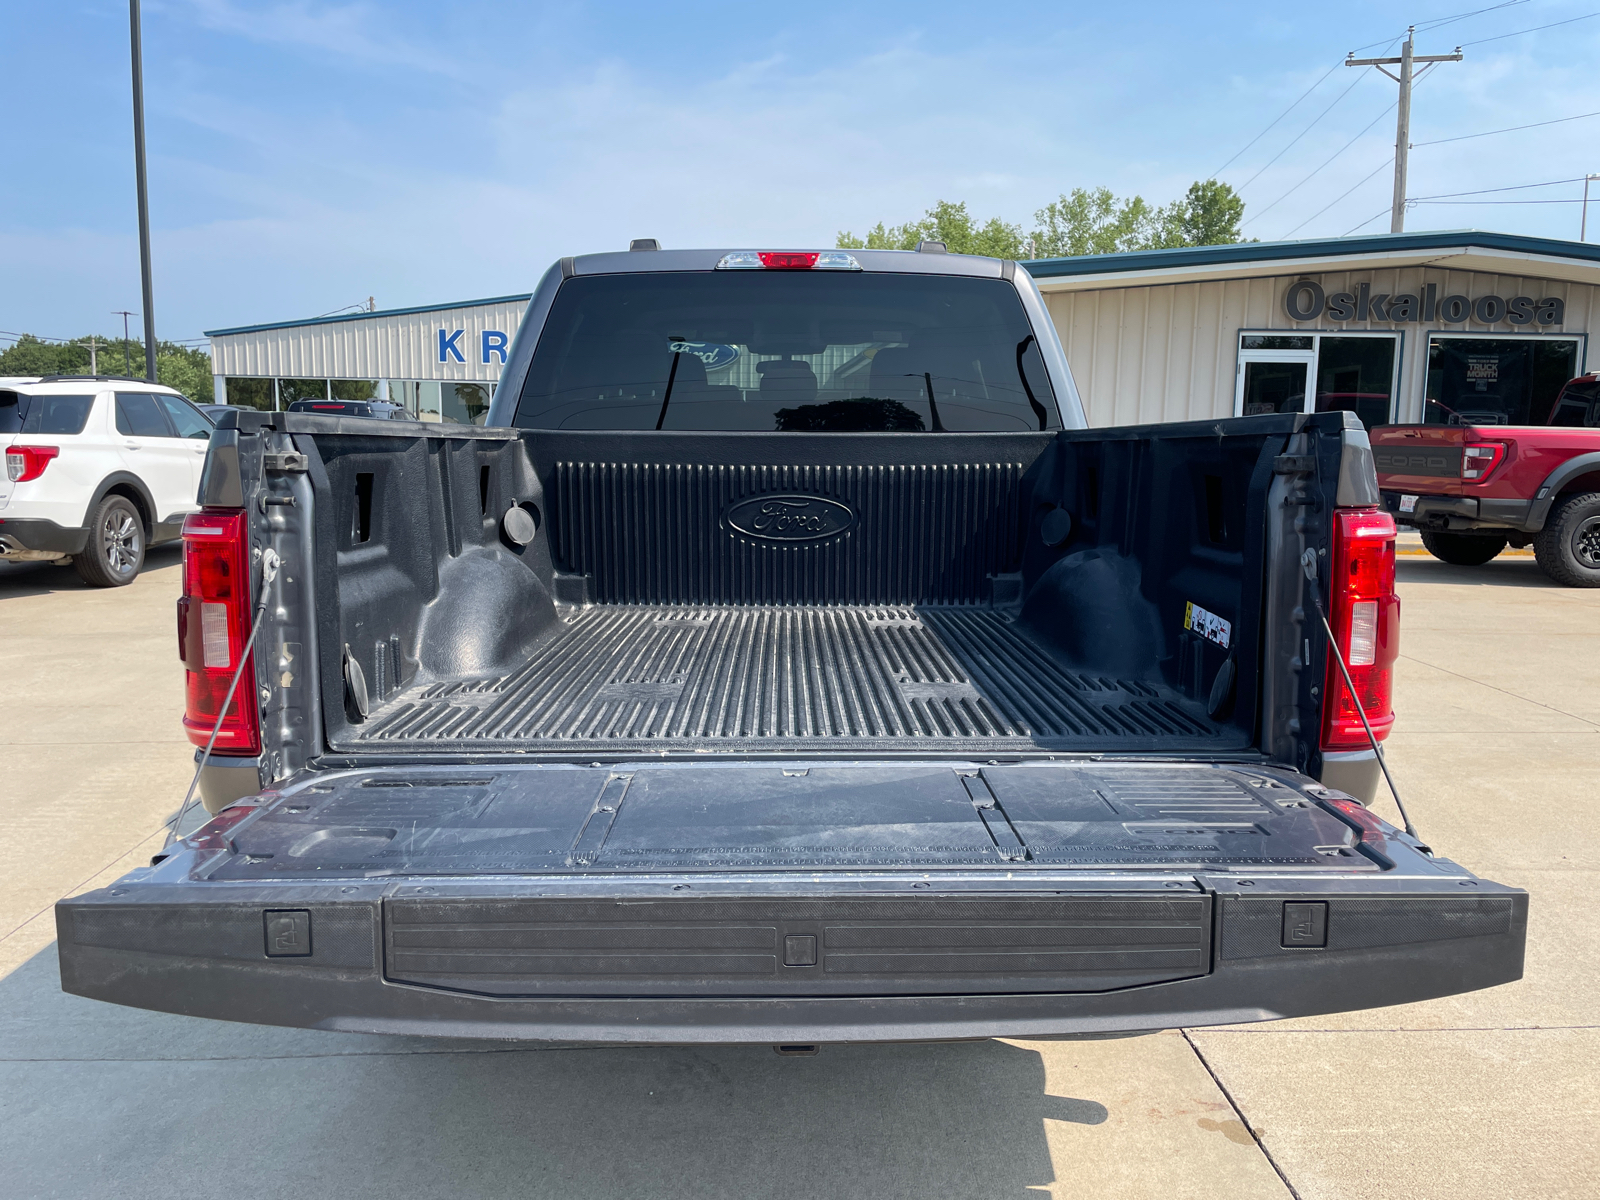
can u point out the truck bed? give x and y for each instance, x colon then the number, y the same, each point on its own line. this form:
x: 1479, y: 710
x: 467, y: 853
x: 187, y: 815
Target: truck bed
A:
x: 837, y: 678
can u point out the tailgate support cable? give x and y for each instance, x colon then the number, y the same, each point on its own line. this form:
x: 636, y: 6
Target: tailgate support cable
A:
x: 269, y: 572
x: 1308, y: 560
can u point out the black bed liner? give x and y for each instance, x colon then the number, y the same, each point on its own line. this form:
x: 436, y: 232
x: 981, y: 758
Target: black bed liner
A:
x: 794, y: 679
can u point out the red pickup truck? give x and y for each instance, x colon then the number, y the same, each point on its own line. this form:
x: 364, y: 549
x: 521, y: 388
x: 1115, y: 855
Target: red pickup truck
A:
x: 1474, y: 489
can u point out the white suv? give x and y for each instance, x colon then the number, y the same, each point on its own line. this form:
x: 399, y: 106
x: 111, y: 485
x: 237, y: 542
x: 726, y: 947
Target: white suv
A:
x: 96, y: 470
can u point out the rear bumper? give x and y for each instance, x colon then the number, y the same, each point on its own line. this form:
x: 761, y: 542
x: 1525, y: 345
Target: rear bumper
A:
x: 202, y: 950
x: 33, y: 536
x: 1467, y: 513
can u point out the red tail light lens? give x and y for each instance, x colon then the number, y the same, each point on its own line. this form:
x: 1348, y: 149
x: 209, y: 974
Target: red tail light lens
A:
x: 28, y: 462
x: 213, y: 627
x: 1479, y: 459
x: 787, y: 261
x: 1365, y: 614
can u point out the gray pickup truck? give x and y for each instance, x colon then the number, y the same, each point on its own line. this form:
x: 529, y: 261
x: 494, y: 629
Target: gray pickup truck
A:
x: 784, y: 661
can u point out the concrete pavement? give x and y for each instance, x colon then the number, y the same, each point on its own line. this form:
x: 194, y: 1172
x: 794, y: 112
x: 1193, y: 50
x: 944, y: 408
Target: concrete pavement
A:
x: 1492, y: 1094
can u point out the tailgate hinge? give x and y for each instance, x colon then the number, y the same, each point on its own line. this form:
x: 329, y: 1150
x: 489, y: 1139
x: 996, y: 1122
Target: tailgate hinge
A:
x: 1007, y: 843
x: 592, y: 837
x: 285, y: 460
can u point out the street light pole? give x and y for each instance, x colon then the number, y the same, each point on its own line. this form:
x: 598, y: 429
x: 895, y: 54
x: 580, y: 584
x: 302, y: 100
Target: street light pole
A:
x: 144, y: 198
x: 127, y: 359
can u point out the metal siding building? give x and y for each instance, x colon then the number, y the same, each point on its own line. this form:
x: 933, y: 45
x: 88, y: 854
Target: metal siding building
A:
x: 409, y: 354
x: 400, y: 343
x: 1166, y: 335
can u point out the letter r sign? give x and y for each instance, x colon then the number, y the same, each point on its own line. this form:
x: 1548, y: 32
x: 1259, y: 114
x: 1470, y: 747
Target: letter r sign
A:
x: 450, y: 346
x: 493, y: 342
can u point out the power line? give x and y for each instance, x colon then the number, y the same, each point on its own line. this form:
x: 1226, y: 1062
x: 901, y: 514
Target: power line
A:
x: 1535, y: 29
x: 1275, y: 121
x: 1513, y: 129
x: 1325, y: 162
x: 1302, y: 133
x: 1386, y: 43
x: 1519, y: 187
x: 1368, y: 221
x: 1495, y: 202
x: 1325, y: 207
x: 1440, y: 22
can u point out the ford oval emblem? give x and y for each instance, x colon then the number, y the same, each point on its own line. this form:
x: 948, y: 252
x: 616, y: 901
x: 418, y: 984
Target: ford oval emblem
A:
x: 786, y: 518
x: 714, y: 354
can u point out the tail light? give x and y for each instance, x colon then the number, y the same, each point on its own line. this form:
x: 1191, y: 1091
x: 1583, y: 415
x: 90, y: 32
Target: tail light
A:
x: 213, y: 627
x: 1365, y: 615
x: 788, y: 260
x: 1479, y: 459
x: 28, y: 462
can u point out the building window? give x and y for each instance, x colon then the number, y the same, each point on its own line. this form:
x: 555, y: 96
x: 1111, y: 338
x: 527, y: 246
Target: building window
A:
x: 1496, y: 381
x: 451, y: 403
x: 464, y: 403
x: 250, y: 393
x: 1347, y: 372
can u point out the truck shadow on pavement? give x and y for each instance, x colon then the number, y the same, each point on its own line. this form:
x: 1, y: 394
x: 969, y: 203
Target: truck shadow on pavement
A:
x: 1499, y: 572
x: 108, y: 1100
x: 43, y: 579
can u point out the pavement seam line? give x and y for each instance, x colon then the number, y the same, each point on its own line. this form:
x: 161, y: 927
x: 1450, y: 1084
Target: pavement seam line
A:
x: 1547, y: 707
x: 26, y: 921
x: 1239, y: 1112
x: 1418, y: 1029
x: 339, y: 1054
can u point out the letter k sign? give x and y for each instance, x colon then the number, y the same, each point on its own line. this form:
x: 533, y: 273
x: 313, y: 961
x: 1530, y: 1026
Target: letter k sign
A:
x: 450, y: 346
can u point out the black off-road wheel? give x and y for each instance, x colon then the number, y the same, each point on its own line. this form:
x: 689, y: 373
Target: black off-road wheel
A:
x: 1568, y: 547
x: 115, y: 550
x: 1464, y: 549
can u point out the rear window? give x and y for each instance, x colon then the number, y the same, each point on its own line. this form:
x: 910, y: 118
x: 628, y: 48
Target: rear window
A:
x: 1579, y: 406
x: 787, y: 351
x: 21, y: 413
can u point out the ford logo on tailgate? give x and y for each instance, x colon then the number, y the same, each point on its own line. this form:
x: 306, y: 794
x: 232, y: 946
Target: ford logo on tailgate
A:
x: 781, y: 518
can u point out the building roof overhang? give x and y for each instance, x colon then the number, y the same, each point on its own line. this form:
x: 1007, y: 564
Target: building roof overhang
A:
x: 1456, y: 250
x: 377, y: 315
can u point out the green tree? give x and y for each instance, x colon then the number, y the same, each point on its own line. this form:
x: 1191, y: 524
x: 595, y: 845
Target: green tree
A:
x: 1091, y: 222
x: 945, y: 222
x: 1210, y: 214
x: 1083, y: 221
x: 182, y: 368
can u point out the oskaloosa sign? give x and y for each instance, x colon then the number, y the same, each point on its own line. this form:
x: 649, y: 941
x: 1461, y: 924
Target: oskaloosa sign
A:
x: 1305, y: 301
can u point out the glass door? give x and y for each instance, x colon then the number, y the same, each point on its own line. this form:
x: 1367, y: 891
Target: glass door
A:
x: 1273, y: 381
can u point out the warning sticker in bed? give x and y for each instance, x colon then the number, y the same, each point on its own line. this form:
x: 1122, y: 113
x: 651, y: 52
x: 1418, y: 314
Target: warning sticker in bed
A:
x: 1208, y: 625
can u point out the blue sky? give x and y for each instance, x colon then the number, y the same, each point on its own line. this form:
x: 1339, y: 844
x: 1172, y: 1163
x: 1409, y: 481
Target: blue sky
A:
x: 305, y: 156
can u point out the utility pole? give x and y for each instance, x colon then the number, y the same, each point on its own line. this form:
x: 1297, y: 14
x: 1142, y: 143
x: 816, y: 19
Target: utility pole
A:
x: 127, y: 358
x: 94, y: 362
x: 1583, y: 223
x: 144, y: 197
x: 1402, y: 136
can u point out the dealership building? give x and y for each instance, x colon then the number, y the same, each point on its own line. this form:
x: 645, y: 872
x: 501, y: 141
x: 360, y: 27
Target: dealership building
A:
x: 1407, y: 327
